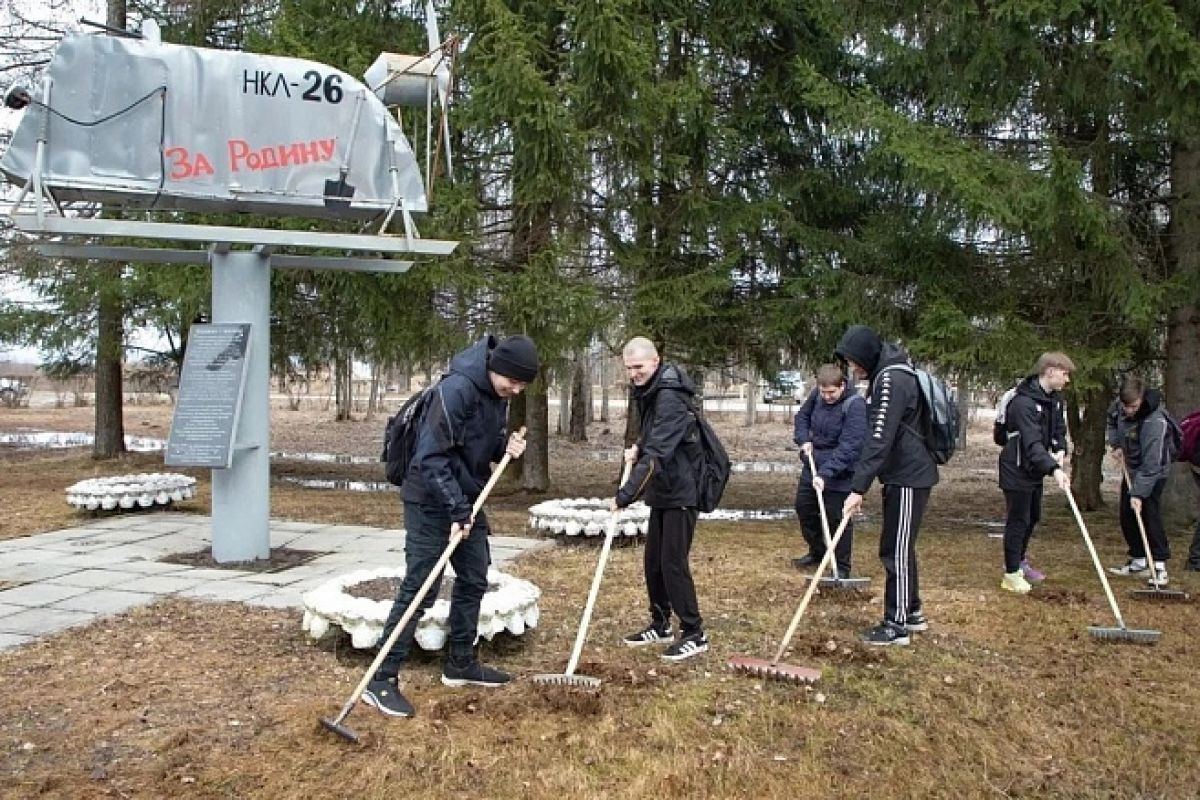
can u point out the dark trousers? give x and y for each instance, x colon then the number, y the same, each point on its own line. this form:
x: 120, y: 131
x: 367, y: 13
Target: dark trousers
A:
x: 1194, y: 550
x: 427, y: 535
x: 809, y: 513
x: 668, y: 576
x: 1024, y: 512
x: 1160, y: 549
x: 903, y: 508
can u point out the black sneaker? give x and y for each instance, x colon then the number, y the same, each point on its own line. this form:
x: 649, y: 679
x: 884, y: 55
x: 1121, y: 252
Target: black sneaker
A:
x: 472, y: 674
x: 384, y: 696
x: 885, y: 634
x: 687, y: 646
x: 916, y: 622
x: 803, y: 562
x: 651, y: 634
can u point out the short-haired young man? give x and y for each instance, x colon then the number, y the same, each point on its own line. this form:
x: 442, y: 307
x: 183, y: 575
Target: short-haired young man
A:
x: 1139, y: 434
x: 895, y: 453
x: 666, y: 471
x: 831, y: 425
x: 1035, y: 446
x: 459, y: 436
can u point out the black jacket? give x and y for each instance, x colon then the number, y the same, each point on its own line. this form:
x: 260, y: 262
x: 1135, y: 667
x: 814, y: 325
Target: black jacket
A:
x: 1035, y: 427
x: 667, y: 472
x: 460, y: 436
x: 1144, y: 440
x: 894, y: 451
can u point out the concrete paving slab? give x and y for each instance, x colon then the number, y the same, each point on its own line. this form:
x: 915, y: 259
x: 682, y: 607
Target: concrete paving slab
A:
x: 159, y: 584
x: 43, y: 621
x: 6, y: 609
x: 28, y: 555
x: 36, y: 572
x: 161, y: 526
x: 39, y: 594
x: 351, y: 530
x: 293, y: 526
x: 279, y: 599
x: 10, y: 640
x: 372, y: 544
x: 321, y: 541
x: 94, y: 578
x: 269, y: 579
x: 151, y: 567
x: 232, y: 591
x: 208, y: 574
x: 99, y: 558
x: 106, y: 601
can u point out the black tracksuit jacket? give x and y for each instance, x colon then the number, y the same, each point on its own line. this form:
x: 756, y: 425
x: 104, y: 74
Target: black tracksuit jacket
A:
x: 894, y: 451
x: 1036, y: 426
x: 667, y: 472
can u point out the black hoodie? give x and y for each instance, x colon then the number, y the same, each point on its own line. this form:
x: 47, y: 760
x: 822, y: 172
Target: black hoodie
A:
x: 667, y: 472
x: 1036, y: 427
x: 894, y: 451
x: 461, y: 435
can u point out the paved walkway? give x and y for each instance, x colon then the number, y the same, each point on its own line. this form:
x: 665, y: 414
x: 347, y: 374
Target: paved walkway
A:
x: 74, y: 576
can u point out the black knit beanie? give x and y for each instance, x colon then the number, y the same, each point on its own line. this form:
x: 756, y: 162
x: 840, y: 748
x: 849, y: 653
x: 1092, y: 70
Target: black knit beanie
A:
x: 861, y: 345
x: 515, y: 357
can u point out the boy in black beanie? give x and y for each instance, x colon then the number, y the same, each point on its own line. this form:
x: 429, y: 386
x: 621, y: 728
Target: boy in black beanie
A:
x: 895, y: 453
x: 459, y: 436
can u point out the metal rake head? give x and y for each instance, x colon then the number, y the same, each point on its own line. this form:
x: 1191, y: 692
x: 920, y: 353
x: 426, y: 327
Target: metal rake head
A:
x: 562, y: 679
x: 1169, y: 595
x: 1143, y: 636
x: 762, y: 668
x: 340, y: 729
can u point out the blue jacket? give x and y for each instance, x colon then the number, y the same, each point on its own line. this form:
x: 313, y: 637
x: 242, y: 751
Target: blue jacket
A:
x: 837, y: 432
x: 460, y: 436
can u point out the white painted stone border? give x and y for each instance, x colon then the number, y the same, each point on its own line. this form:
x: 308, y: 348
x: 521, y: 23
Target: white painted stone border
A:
x: 142, y: 490
x: 510, y: 604
x: 587, y: 517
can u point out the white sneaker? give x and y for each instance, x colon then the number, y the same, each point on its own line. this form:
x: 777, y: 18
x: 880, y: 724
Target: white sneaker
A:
x: 1015, y: 582
x: 1160, y: 569
x: 1134, y: 566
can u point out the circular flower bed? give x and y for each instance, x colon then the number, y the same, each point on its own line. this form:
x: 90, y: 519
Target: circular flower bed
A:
x: 509, y: 605
x: 584, y: 518
x: 131, y: 491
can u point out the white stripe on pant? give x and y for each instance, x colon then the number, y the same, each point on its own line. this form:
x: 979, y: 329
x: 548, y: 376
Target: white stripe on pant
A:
x: 903, y: 507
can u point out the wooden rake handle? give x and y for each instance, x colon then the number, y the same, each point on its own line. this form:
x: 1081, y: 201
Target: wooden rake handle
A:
x: 812, y: 465
x: 610, y: 533
x: 1112, y: 601
x: 1137, y: 513
x: 811, y: 590
x: 434, y: 574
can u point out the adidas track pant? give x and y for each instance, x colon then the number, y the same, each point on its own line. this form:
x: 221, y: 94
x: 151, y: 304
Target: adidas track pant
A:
x: 668, y: 575
x: 903, y: 508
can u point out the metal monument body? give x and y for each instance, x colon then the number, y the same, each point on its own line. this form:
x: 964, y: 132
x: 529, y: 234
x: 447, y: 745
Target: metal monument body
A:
x: 138, y: 125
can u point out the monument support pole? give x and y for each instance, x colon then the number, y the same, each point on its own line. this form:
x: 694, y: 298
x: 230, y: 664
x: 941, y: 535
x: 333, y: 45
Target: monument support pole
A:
x: 241, y: 508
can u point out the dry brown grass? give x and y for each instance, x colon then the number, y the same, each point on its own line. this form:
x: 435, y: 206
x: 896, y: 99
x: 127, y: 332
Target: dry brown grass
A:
x: 1004, y: 697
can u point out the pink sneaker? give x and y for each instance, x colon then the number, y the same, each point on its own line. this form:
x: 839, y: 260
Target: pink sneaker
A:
x: 1032, y: 573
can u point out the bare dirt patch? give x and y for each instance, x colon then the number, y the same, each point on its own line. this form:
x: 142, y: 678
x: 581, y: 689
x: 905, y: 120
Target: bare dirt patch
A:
x: 280, y: 558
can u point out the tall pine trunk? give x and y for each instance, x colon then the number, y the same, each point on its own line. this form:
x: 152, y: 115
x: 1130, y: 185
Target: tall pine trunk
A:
x: 1182, y: 385
x: 1085, y: 420
x: 536, y: 473
x: 581, y: 405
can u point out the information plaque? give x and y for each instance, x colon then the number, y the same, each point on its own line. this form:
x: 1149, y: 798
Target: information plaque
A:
x: 210, y: 396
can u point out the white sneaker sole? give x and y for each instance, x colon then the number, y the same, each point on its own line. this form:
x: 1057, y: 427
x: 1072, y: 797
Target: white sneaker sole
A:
x: 646, y: 642
x: 460, y: 682
x: 685, y: 656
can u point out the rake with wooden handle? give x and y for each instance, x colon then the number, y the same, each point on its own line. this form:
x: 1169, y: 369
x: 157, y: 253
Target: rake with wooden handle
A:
x: 1159, y: 592
x: 835, y: 581
x: 773, y: 669
x: 569, y: 678
x: 337, y: 724
x: 1122, y: 633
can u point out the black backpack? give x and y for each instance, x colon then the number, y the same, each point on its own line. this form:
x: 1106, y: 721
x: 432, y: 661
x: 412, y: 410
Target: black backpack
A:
x: 939, y: 413
x: 400, y: 435
x: 714, y: 464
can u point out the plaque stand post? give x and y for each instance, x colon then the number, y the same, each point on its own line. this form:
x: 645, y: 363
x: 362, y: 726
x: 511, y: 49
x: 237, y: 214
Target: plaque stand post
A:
x: 241, y: 507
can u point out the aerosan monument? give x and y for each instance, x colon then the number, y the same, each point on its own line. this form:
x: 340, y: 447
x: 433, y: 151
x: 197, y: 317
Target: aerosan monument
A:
x: 126, y: 121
